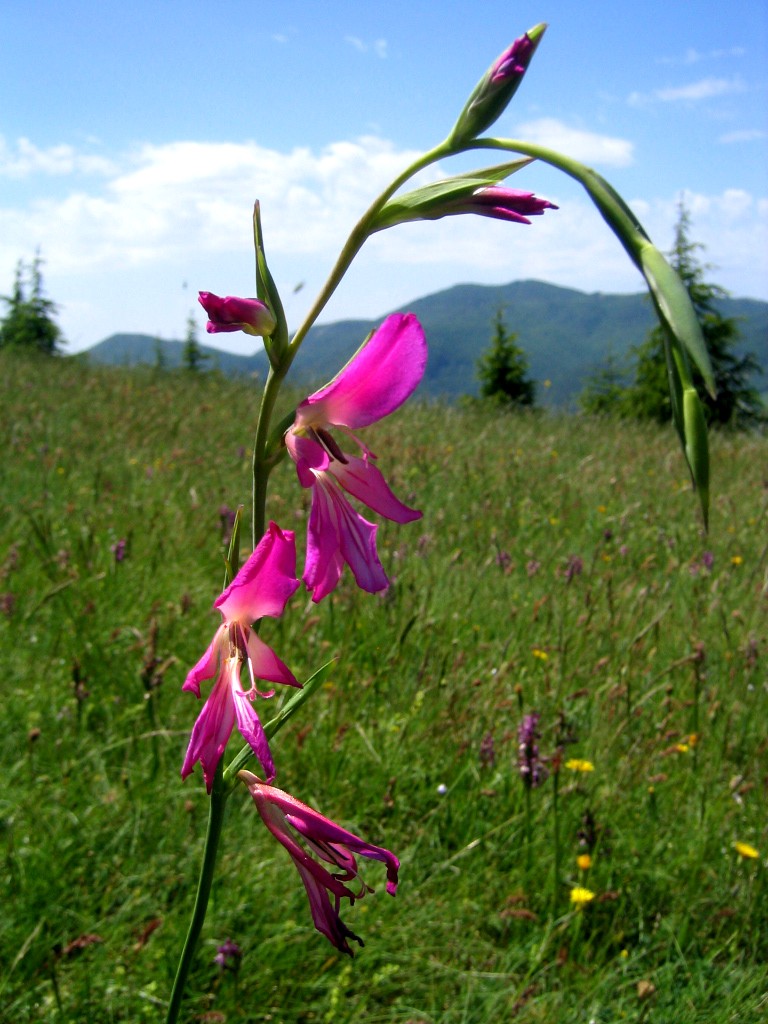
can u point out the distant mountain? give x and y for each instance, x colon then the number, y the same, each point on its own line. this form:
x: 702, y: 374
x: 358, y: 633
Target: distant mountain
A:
x: 567, y: 334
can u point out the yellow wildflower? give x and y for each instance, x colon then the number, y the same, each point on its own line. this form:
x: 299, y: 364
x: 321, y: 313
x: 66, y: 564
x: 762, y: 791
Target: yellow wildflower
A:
x: 580, y: 896
x: 584, y: 862
x: 737, y: 560
x: 746, y: 851
x: 576, y: 764
x: 541, y: 655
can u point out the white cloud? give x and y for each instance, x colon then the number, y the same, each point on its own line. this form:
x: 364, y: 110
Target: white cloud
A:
x: 118, y: 250
x: 693, y: 56
x: 703, y: 89
x: 379, y: 46
x: 745, y: 135
x: 589, y: 147
x: 24, y: 159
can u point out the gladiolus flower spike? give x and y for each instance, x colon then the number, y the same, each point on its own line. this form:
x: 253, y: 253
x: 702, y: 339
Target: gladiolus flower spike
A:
x: 375, y: 382
x: 290, y: 822
x: 233, y: 314
x: 262, y: 587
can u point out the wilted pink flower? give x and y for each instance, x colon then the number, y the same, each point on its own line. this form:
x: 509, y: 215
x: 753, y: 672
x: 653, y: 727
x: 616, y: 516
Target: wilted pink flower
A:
x: 573, y: 567
x: 375, y: 382
x: 501, y: 203
x: 233, y: 314
x: 262, y: 587
x: 291, y: 821
x: 119, y: 548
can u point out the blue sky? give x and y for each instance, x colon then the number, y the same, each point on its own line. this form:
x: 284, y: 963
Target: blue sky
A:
x: 135, y: 137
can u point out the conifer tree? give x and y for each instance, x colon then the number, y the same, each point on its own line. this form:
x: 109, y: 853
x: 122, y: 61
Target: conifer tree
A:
x: 736, y: 402
x: 192, y: 355
x: 503, y: 369
x: 28, y: 323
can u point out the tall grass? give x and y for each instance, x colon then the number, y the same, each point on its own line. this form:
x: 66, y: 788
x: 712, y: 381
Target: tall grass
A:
x: 560, y: 567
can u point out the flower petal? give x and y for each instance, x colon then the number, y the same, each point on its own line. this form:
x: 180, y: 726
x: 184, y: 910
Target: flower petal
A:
x: 337, y: 534
x: 252, y: 731
x: 265, y: 582
x: 365, y: 481
x: 375, y: 382
x: 206, y: 667
x: 266, y: 664
x: 213, y: 727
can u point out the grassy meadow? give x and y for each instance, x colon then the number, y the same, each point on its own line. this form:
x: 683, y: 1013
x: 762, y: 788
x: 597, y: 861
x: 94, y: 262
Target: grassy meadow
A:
x: 560, y: 567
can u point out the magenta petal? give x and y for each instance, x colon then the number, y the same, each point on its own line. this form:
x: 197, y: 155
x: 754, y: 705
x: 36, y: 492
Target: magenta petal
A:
x: 213, y: 728
x: 364, y: 480
x: 375, y: 382
x: 265, y: 582
x: 207, y: 666
x: 266, y: 664
x: 252, y: 731
x: 308, y: 455
x: 324, y: 563
x: 337, y: 534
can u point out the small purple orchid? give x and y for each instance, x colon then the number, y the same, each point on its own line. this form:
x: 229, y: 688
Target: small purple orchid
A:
x: 262, y: 587
x: 234, y: 314
x: 375, y: 382
x: 529, y: 764
x: 290, y: 821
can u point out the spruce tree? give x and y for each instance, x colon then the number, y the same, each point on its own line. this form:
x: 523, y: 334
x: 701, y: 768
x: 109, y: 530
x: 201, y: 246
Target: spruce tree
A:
x: 503, y: 369
x: 736, y: 402
x: 28, y: 323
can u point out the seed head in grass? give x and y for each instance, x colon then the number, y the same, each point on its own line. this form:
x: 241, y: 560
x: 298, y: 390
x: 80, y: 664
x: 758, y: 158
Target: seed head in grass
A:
x: 375, y: 382
x: 310, y: 838
x: 262, y: 587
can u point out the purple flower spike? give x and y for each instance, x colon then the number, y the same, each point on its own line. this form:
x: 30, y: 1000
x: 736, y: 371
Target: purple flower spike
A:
x: 529, y: 764
x: 310, y: 838
x: 233, y: 314
x: 375, y: 382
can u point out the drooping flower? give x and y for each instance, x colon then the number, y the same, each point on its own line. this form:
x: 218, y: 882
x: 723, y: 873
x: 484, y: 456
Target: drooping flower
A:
x: 262, y: 587
x: 231, y: 313
x: 375, y: 382
x: 310, y: 838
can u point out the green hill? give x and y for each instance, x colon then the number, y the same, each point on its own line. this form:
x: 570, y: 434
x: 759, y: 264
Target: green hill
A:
x: 566, y: 333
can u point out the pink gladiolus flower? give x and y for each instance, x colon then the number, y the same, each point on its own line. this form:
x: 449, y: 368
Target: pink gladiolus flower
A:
x: 501, y: 203
x: 262, y: 587
x: 291, y: 821
x: 233, y: 314
x: 380, y: 377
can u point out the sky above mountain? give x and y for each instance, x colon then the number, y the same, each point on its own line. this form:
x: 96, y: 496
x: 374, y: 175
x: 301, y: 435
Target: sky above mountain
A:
x: 134, y: 139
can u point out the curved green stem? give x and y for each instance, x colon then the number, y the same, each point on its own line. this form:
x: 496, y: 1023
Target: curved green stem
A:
x: 262, y: 456
x: 217, y: 804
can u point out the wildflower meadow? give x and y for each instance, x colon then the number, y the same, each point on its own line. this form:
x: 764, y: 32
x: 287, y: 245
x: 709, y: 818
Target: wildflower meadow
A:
x: 492, y: 748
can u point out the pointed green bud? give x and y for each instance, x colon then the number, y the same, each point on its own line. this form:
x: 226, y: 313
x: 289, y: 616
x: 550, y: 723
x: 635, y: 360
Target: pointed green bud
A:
x: 496, y: 88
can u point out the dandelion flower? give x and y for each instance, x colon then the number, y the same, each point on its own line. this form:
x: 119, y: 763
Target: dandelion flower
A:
x: 581, y: 896
x: 576, y: 764
x: 746, y: 851
x: 584, y: 862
